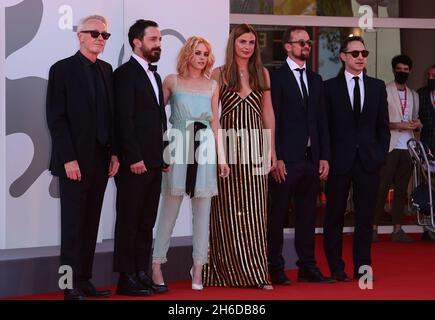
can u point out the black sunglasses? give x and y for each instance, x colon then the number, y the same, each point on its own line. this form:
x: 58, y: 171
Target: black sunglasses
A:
x: 95, y: 34
x: 355, y: 53
x: 302, y: 42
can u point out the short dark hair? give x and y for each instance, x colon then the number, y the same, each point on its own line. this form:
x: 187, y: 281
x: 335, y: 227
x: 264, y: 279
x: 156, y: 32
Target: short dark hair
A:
x: 288, y: 33
x: 137, y: 30
x: 401, y: 58
x: 348, y: 40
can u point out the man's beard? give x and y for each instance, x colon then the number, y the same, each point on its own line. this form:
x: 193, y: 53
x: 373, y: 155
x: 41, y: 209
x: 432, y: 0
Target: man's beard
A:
x: 303, y: 56
x: 152, y: 55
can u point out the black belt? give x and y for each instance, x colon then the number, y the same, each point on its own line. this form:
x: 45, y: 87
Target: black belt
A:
x: 192, y: 167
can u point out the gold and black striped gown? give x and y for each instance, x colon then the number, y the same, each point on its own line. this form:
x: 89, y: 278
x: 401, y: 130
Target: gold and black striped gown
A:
x: 238, y: 222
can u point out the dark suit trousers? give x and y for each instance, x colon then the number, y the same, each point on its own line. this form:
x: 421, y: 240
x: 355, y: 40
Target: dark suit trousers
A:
x: 81, y: 204
x: 302, y: 182
x: 365, y: 191
x: 137, y: 202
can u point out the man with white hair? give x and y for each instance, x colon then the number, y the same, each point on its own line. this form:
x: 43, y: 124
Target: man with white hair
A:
x: 80, y: 116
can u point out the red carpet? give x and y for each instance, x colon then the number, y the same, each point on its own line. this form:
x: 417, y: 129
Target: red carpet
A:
x: 402, y: 271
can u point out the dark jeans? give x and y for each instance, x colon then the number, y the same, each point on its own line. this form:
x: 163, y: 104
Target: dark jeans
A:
x: 397, y: 172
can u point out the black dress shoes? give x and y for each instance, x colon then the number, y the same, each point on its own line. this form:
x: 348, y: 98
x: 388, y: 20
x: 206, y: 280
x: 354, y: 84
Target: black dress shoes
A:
x: 312, y: 274
x: 278, y: 277
x: 89, y: 290
x: 73, y: 294
x: 129, y: 285
x: 147, y: 282
x: 340, y: 276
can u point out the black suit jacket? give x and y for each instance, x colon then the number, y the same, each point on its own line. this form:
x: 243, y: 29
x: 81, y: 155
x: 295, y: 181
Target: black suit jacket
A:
x: 140, y: 119
x: 427, y: 116
x: 294, y: 124
x: 369, y: 138
x: 71, y: 114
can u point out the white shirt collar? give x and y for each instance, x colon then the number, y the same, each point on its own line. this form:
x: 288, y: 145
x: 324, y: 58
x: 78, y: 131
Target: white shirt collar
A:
x: 349, y: 76
x: 293, y: 65
x: 141, y: 61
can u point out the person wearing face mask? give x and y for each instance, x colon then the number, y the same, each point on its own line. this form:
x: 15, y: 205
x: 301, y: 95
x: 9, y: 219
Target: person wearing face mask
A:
x: 403, y: 106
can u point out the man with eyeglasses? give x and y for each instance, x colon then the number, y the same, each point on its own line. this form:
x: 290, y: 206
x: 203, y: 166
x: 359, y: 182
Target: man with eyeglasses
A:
x: 359, y: 132
x: 80, y: 108
x: 302, y: 147
x: 141, y: 122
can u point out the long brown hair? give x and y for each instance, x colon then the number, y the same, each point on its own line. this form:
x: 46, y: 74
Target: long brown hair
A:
x: 230, y: 71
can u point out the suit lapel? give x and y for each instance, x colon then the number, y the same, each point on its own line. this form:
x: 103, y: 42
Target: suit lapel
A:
x: 80, y: 75
x: 107, y: 86
x: 367, y: 94
x: 145, y: 79
x: 344, y: 92
x: 311, y: 89
x: 293, y: 81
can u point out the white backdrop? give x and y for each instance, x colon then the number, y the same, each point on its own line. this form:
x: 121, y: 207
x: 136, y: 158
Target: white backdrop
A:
x: 40, y: 32
x: 2, y: 133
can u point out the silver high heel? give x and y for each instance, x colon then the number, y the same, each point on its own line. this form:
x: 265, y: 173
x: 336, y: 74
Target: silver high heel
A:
x: 195, y: 286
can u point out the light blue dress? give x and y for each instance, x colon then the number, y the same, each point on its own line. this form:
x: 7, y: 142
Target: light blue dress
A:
x: 187, y: 106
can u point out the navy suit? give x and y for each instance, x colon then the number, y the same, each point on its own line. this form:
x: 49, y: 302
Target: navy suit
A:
x: 358, y: 151
x: 295, y: 123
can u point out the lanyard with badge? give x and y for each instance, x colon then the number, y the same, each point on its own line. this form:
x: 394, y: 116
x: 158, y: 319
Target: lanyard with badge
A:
x: 403, y: 105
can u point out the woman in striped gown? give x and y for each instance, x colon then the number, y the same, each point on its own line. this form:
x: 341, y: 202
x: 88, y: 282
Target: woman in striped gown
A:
x: 238, y: 223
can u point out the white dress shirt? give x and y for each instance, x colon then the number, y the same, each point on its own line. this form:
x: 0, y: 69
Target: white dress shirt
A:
x: 149, y: 73
x: 351, y: 85
x: 293, y: 67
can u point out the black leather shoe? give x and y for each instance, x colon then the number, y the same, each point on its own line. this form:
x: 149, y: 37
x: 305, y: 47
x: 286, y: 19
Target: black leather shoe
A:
x: 312, y: 274
x: 73, y: 294
x: 277, y: 276
x: 89, y: 290
x: 340, y: 276
x: 129, y: 285
x: 147, y: 282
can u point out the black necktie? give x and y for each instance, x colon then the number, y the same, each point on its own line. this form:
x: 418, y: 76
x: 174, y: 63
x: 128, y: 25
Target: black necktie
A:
x: 356, y: 99
x: 304, y: 88
x: 152, y: 67
x: 101, y: 108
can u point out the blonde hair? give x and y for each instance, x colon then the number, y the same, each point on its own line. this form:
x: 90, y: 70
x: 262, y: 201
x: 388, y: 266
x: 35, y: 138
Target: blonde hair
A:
x: 188, y: 51
x: 85, y: 20
x: 255, y: 65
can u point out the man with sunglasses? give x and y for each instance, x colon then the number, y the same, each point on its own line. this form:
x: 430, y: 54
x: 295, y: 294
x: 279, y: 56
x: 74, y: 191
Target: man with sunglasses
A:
x: 359, y: 132
x: 302, y: 146
x: 141, y: 122
x: 80, y: 109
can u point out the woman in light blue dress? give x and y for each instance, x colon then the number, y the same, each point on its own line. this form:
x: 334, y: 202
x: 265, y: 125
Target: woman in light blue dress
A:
x: 193, y: 97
